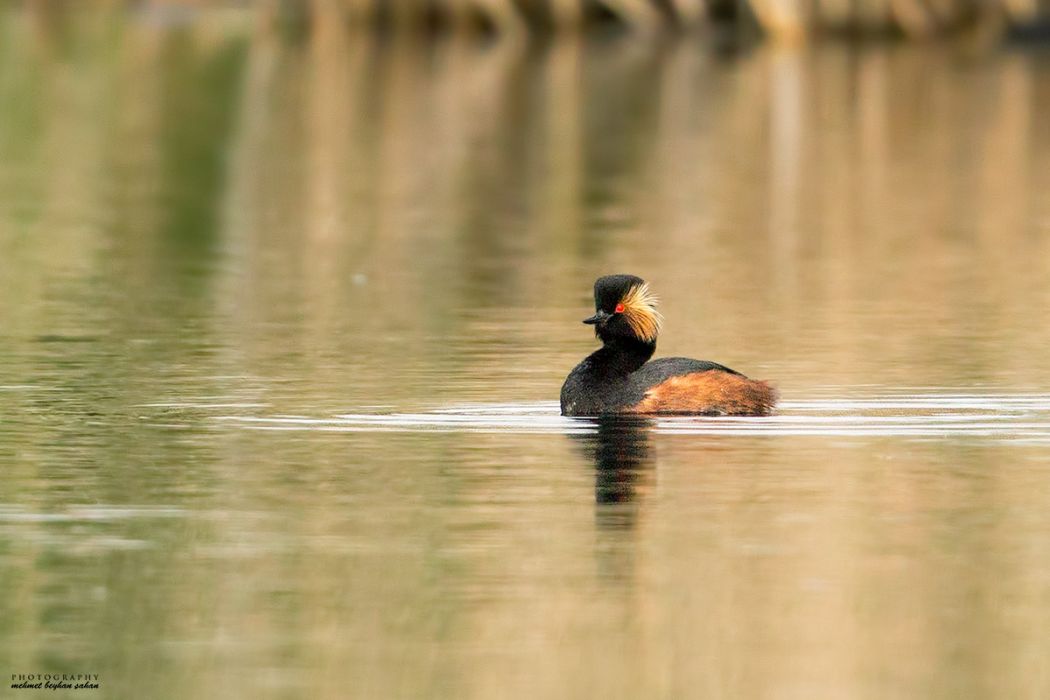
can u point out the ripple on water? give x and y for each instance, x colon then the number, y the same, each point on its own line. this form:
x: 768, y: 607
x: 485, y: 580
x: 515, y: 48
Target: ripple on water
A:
x: 1005, y: 417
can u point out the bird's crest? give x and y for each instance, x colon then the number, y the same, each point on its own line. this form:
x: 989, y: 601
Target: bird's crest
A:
x: 639, y: 310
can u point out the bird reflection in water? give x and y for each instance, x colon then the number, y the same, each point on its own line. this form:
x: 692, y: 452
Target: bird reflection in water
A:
x: 622, y: 466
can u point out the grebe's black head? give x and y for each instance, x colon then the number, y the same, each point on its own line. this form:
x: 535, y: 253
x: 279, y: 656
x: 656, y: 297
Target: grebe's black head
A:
x: 624, y: 308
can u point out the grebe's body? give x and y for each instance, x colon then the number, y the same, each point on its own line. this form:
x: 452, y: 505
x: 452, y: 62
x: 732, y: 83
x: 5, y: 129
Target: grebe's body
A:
x: 618, y: 378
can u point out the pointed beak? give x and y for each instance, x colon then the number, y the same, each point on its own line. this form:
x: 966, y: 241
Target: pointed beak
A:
x: 598, y: 317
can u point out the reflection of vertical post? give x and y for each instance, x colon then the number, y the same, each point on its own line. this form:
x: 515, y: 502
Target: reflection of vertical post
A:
x: 1002, y: 167
x: 639, y: 14
x: 872, y: 15
x: 360, y: 11
x: 457, y: 12
x: 913, y: 17
x: 324, y: 12
x: 689, y: 12
x: 567, y: 14
x: 785, y: 19
x: 676, y: 205
x: 246, y: 145
x: 242, y: 214
x: 73, y: 149
x: 1022, y: 11
x: 335, y: 65
x: 503, y: 14
x: 785, y: 152
x: 327, y: 117
x: 873, y: 96
x: 401, y: 12
x: 834, y: 13
x: 564, y: 157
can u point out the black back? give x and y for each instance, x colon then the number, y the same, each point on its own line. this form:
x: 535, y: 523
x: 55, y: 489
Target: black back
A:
x: 657, y: 371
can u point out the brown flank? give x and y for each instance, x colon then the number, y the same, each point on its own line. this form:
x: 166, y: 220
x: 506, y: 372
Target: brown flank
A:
x: 713, y: 392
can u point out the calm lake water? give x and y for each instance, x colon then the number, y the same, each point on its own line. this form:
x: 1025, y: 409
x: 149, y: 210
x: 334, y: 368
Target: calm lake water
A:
x: 283, y: 321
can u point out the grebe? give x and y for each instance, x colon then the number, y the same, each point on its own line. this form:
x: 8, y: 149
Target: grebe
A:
x: 619, y: 379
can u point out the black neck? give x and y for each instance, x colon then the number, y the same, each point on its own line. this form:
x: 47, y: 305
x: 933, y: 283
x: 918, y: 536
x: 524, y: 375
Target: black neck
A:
x: 623, y: 355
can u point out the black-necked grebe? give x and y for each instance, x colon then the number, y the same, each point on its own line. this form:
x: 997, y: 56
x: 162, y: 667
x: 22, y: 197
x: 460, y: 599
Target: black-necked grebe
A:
x: 618, y: 378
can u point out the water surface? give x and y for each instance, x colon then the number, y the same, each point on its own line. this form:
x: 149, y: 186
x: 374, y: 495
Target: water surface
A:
x: 283, y: 321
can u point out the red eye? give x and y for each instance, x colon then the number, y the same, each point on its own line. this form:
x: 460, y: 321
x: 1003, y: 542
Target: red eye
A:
x: 619, y: 308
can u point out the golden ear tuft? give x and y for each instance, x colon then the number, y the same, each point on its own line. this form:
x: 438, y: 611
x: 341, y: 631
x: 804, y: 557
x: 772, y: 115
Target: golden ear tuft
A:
x: 639, y: 310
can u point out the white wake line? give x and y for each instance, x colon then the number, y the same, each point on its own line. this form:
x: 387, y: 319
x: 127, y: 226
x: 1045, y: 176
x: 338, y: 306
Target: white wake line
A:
x: 410, y: 420
x: 1014, y: 416
x: 492, y: 429
x: 1027, y: 431
x: 1007, y: 404
x: 1041, y: 436
x: 1008, y: 432
x: 950, y: 402
x: 407, y: 421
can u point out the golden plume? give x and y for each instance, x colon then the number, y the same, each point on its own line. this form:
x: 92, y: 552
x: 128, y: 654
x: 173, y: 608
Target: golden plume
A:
x: 639, y: 310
